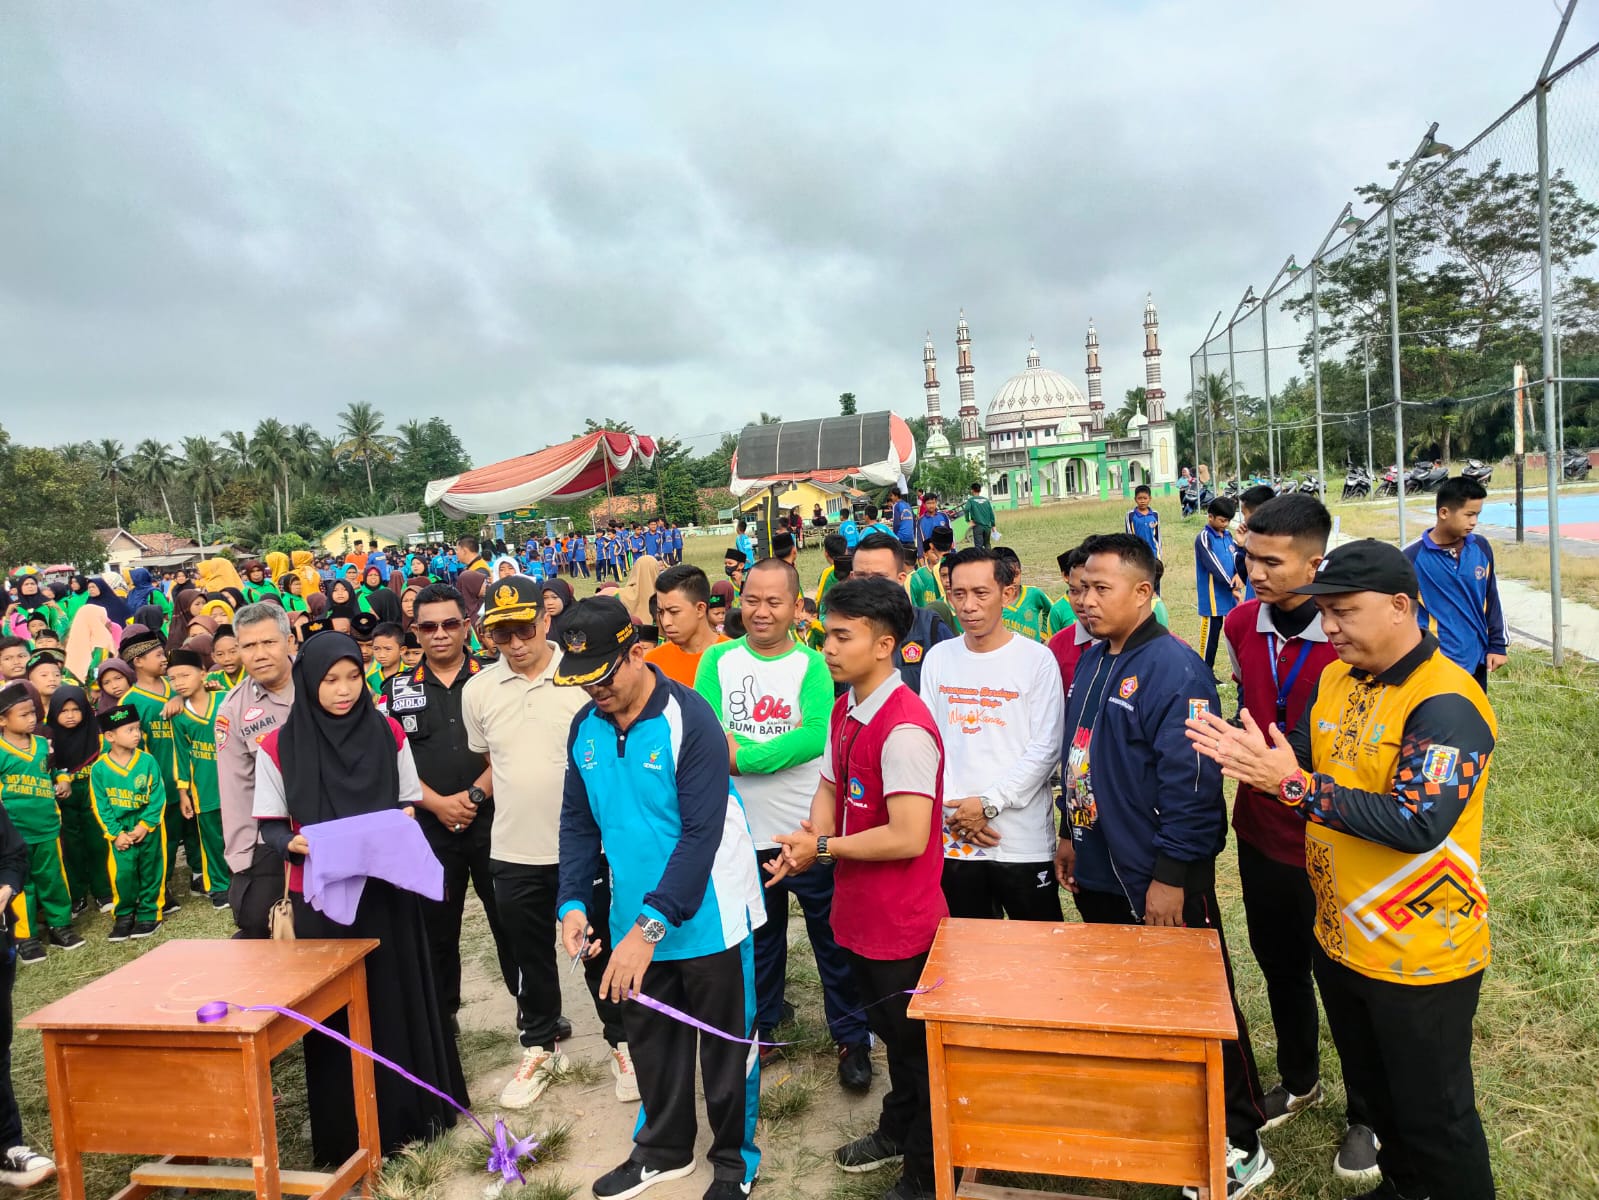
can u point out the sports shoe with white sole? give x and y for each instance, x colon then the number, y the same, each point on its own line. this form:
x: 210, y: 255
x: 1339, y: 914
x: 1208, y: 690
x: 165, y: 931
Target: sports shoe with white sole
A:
x: 535, y: 1073
x: 1245, y: 1172
x: 633, y: 1177
x: 622, y: 1072
x: 1282, y: 1106
x: 1356, y: 1160
x: 22, y: 1167
x: 867, y: 1153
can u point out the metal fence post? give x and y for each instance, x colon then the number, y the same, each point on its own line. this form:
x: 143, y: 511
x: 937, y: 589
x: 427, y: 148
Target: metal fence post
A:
x: 1393, y: 321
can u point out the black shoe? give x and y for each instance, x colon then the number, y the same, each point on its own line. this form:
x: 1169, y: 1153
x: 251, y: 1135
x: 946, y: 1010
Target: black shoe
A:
x: 197, y: 884
x: 80, y: 906
x: 174, y: 904
x: 219, y: 900
x: 121, y: 931
x: 726, y: 1189
x: 867, y: 1154
x: 105, y: 904
x: 855, y: 1067
x: 62, y: 938
x: 1281, y: 1105
x: 30, y: 951
x: 563, y: 1029
x: 786, y: 1017
x: 633, y: 1177
x: 144, y: 929
x: 1356, y: 1160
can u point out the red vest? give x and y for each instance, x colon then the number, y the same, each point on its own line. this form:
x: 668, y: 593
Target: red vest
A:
x: 1259, y: 818
x: 883, y: 910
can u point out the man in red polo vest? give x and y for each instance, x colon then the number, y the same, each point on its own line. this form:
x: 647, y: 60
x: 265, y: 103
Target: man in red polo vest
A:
x: 1279, y: 652
x: 875, y: 819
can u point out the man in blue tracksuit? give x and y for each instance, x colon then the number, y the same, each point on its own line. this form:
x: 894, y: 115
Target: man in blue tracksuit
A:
x: 903, y: 518
x: 1215, y: 574
x: 647, y: 774
x: 1459, y: 589
x: 1143, y: 816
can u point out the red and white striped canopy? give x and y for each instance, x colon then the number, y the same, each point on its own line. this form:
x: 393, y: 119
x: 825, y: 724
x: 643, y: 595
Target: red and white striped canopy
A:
x: 565, y: 472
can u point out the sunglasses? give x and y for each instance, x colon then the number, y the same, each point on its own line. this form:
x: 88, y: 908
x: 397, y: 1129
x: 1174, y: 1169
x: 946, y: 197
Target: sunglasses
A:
x: 504, y: 635
x: 449, y: 625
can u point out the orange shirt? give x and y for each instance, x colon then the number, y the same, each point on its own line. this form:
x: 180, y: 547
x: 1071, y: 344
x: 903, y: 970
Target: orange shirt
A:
x: 676, y: 663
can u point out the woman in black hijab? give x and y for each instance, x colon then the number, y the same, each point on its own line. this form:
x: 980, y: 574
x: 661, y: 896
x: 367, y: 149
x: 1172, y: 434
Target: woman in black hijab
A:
x: 151, y: 616
x: 385, y: 605
x: 116, y: 608
x: 74, y: 733
x: 336, y: 756
x: 564, y: 601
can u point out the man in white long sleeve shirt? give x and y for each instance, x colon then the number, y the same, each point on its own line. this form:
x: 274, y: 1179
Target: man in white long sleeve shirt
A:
x: 997, y: 700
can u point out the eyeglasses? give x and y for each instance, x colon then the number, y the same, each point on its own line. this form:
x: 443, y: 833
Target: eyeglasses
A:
x: 521, y: 631
x: 449, y: 625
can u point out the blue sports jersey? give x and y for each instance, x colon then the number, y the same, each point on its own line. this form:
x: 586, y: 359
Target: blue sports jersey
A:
x: 1460, y: 599
x: 1145, y: 527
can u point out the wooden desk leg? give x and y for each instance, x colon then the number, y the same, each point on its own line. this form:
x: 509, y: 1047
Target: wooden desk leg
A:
x: 366, y: 1100
x: 257, y: 1064
x: 1216, y: 1108
x: 943, y: 1168
x: 64, y: 1136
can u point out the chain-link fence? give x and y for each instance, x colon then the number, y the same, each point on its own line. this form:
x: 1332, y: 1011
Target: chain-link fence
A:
x: 1299, y: 379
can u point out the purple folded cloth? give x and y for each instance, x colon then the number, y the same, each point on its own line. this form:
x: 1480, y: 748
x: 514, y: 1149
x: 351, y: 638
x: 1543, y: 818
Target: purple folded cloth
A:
x: 347, y: 852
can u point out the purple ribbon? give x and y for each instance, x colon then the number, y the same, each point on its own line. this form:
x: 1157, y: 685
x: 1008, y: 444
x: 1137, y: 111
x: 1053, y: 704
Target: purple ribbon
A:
x: 505, y: 1154
x: 677, y: 1014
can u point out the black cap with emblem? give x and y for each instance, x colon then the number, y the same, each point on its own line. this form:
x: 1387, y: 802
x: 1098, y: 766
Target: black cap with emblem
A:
x: 362, y: 626
x: 1363, y: 566
x: 137, y: 641
x: 514, y: 598
x: 595, y: 638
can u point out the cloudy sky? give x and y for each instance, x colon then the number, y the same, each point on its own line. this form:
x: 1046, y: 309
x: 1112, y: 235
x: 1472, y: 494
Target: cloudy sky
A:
x: 515, y: 215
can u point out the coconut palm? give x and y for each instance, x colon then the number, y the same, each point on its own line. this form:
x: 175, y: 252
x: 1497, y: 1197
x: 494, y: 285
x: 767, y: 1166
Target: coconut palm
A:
x: 110, y: 464
x: 205, y: 471
x: 1122, y: 417
x: 271, y: 449
x: 154, y: 467
x: 361, y: 427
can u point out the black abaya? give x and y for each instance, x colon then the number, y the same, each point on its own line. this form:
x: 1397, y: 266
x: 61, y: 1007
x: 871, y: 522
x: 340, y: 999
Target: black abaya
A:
x: 406, y: 1027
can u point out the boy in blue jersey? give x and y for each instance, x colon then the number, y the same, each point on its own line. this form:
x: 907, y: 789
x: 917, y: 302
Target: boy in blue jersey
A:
x: 1459, y: 590
x: 1215, y: 573
x: 1143, y: 522
x: 743, y: 542
x: 652, y: 539
x: 847, y: 527
x: 647, y: 768
x: 902, y: 518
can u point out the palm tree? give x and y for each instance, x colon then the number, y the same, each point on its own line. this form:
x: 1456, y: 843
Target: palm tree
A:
x: 364, y: 439
x: 270, y: 451
x: 154, y: 467
x: 110, y: 464
x: 1119, y: 420
x: 1214, y: 394
x: 310, y: 457
x: 205, y: 470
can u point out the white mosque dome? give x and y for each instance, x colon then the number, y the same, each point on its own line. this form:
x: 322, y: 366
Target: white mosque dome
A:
x: 1041, y: 397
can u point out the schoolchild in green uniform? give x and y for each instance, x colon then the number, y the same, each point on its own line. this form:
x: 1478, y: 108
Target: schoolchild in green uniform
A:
x: 194, y: 728
x: 388, y: 639
x: 1030, y: 615
x: 152, y: 698
x: 226, y: 673
x: 130, y: 801
x: 74, y: 745
x: 44, y: 913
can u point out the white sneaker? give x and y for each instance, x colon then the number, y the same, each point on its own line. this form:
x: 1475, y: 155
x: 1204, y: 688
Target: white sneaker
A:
x: 622, y: 1072
x: 22, y: 1167
x: 532, y: 1078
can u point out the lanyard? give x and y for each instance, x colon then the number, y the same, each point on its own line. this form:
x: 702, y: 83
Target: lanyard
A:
x: 1293, y: 675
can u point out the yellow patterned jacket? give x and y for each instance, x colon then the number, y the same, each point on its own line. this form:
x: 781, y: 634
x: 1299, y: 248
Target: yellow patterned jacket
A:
x: 1394, y: 833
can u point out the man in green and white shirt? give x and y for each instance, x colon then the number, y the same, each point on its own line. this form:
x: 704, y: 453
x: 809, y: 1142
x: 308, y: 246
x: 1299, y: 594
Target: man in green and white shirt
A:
x: 774, y: 697
x: 980, y: 513
x: 1032, y: 614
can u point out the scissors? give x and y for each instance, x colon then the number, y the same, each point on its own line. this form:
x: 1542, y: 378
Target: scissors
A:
x: 583, y: 950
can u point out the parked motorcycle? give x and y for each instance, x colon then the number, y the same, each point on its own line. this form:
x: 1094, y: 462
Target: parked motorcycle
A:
x: 1357, y: 483
x: 1189, y: 496
x: 1231, y: 490
x: 1476, y: 469
x: 1390, y: 482
x: 1424, y: 477
x: 1575, y: 465
x: 1310, y: 486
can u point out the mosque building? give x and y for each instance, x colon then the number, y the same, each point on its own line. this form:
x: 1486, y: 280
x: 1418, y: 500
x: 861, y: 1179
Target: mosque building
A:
x: 1043, y: 438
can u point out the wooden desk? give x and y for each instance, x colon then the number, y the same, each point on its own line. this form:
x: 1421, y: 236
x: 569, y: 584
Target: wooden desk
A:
x: 131, y: 1071
x: 1076, y: 1050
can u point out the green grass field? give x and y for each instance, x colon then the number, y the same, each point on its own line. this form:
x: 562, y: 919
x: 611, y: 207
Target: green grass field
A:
x: 1537, y: 1055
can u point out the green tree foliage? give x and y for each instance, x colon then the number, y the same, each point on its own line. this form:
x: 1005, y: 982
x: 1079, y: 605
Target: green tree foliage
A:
x: 52, y: 507
x: 677, y: 497
x: 846, y: 404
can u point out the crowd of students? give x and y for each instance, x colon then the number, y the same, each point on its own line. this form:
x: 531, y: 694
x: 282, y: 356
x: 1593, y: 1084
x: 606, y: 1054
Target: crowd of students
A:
x: 922, y: 735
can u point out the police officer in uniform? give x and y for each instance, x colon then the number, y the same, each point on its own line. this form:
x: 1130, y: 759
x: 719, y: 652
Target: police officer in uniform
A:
x: 457, y: 808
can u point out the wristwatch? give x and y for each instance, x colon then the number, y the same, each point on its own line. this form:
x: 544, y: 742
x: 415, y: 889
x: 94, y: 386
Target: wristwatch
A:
x: 654, y: 930
x: 476, y: 795
x: 822, y: 856
x: 990, y: 809
x: 1293, y: 790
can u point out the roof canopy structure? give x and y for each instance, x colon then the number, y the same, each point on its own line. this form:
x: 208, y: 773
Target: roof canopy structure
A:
x: 878, y: 447
x: 565, y: 472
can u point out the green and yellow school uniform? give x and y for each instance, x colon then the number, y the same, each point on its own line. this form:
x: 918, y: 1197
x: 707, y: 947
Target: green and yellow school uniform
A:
x: 374, y: 678
x: 81, y: 838
x: 254, y: 593
x: 220, y: 681
x: 27, y: 789
x: 161, y: 744
x: 1061, y: 616
x: 1031, y: 615
x: 927, y: 591
x: 126, y: 798
x: 196, y: 734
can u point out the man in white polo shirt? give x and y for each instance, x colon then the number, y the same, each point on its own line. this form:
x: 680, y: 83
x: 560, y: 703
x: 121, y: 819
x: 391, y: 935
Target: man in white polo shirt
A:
x: 997, y: 701
x: 774, y: 697
x: 515, y: 714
